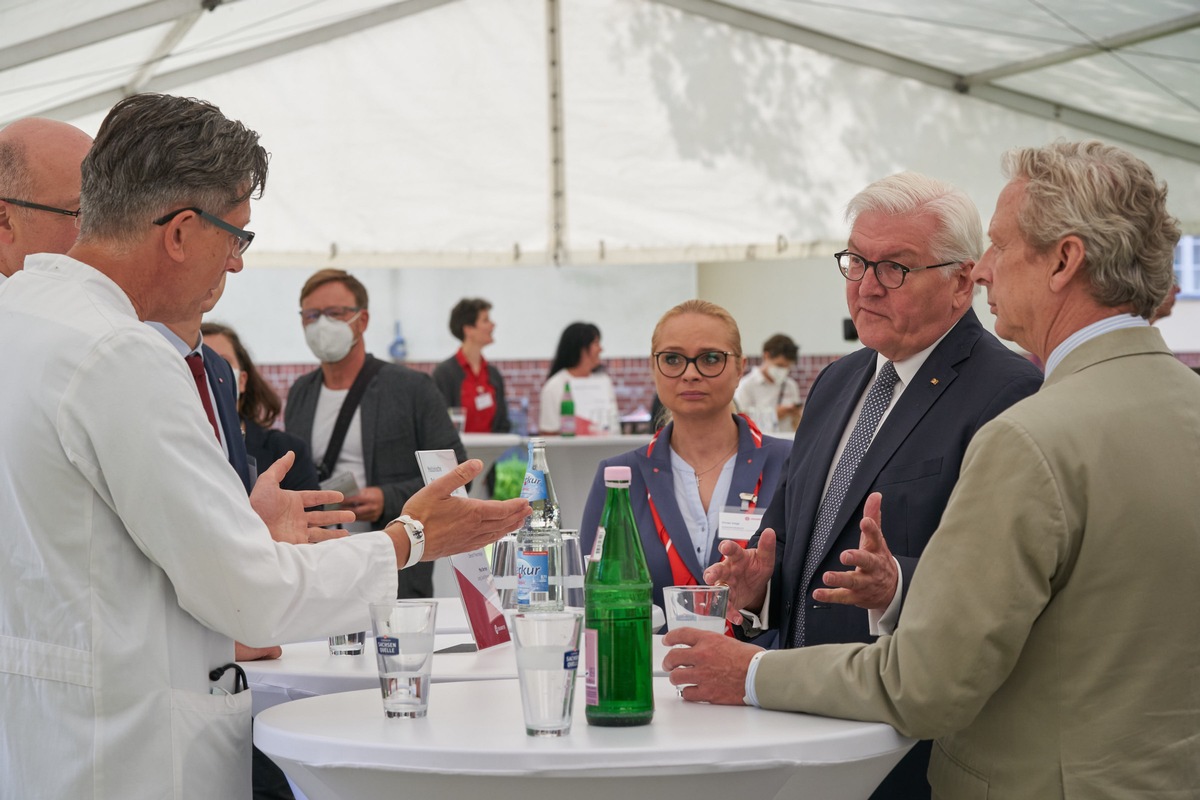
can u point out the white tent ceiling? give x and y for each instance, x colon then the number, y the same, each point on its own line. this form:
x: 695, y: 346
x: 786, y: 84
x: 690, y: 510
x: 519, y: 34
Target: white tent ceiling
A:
x: 420, y: 132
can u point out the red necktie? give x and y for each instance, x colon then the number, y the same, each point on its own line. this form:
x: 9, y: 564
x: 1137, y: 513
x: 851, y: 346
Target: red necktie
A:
x: 196, y: 363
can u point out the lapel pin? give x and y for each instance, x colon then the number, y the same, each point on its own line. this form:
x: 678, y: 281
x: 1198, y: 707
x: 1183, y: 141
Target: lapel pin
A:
x: 933, y: 381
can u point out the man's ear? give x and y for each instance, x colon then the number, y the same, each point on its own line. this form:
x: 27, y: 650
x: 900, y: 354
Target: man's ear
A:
x: 175, y: 238
x: 7, y: 234
x: 1069, y: 256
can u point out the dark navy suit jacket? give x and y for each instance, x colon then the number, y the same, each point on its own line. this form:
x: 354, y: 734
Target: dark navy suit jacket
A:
x: 654, y: 472
x: 220, y: 378
x: 914, y: 461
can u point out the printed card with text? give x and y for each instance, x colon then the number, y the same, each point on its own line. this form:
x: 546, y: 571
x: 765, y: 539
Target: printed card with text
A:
x: 471, y: 570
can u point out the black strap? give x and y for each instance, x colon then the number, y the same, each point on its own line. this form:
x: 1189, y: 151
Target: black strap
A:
x: 239, y: 678
x: 369, y: 370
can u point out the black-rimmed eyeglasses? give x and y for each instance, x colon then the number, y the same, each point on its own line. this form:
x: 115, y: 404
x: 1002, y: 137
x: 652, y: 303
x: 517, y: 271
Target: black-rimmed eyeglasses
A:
x: 709, y: 365
x: 890, y: 274
x: 40, y: 207
x: 340, y: 313
x: 244, y: 238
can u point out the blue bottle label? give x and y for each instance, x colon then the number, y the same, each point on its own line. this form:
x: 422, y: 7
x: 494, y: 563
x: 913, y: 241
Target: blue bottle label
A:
x: 534, y: 487
x: 533, y: 577
x: 387, y: 645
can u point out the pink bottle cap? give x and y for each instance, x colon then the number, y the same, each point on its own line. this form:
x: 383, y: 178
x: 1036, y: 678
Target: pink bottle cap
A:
x: 618, y: 474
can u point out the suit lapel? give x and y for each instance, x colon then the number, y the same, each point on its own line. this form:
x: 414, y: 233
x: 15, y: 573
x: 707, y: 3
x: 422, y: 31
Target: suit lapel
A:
x: 825, y: 447
x: 656, y: 472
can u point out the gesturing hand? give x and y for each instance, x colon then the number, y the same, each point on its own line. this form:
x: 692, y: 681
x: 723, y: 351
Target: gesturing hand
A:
x: 872, y: 583
x: 458, y: 524
x: 746, y: 571
x: 283, y: 510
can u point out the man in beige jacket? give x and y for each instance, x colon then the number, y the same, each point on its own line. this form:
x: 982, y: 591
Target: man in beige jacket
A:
x: 1049, y: 642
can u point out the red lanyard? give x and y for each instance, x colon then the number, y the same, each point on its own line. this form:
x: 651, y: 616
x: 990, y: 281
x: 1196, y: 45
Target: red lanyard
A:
x: 680, y: 574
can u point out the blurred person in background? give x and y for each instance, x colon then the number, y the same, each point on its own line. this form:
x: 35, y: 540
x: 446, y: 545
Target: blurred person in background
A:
x: 770, y: 388
x: 394, y: 412
x: 466, y: 379
x: 709, y: 473
x: 577, y: 363
x: 258, y: 407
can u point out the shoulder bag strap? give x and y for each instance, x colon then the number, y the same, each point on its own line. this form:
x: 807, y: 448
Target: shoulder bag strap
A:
x: 369, y: 370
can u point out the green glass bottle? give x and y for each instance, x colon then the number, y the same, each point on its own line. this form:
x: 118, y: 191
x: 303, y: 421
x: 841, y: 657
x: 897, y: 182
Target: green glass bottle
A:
x: 617, y: 601
x: 566, y: 409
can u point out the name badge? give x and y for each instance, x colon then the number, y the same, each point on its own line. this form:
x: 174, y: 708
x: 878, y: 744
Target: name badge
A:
x: 483, y: 401
x: 738, y: 524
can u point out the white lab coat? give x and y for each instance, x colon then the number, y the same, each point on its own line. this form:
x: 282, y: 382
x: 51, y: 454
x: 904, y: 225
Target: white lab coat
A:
x: 130, y: 558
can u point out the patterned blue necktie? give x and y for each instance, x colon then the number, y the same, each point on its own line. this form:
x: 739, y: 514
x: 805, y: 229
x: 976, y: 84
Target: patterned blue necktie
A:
x: 878, y: 398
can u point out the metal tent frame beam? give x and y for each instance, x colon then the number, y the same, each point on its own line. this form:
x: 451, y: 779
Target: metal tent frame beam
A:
x: 944, y: 79
x: 1126, y: 39
x: 101, y: 30
x: 244, y: 58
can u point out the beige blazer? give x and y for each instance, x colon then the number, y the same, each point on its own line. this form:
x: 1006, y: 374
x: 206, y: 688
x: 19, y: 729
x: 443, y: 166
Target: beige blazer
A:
x: 1050, y: 641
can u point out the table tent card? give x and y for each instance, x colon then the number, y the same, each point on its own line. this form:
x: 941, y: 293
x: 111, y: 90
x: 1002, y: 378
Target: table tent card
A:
x: 472, y: 573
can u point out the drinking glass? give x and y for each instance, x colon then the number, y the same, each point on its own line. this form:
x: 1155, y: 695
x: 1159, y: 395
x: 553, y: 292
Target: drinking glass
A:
x: 573, y: 569
x: 347, y: 644
x: 700, y: 607
x: 504, y: 570
x: 547, y: 648
x: 404, y: 654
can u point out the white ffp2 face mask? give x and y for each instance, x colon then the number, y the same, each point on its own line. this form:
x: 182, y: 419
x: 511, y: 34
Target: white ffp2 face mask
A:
x: 777, y: 374
x: 330, y: 339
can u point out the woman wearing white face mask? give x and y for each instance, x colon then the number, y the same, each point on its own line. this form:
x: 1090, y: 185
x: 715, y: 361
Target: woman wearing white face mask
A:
x: 769, y: 387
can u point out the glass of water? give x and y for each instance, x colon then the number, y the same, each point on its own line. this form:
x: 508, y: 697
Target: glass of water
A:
x: 404, y: 653
x: 700, y: 607
x: 504, y: 570
x: 547, y: 648
x: 573, y: 569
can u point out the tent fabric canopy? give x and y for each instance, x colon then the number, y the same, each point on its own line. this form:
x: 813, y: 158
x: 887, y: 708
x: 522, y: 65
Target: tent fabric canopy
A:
x: 419, y: 132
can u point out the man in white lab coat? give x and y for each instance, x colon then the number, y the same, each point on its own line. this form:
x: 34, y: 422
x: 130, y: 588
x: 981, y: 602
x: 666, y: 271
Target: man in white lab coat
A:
x: 132, y: 558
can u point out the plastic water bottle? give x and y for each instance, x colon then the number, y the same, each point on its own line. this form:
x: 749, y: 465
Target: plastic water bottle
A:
x: 617, y: 601
x: 567, y: 411
x: 398, y: 349
x: 539, y: 542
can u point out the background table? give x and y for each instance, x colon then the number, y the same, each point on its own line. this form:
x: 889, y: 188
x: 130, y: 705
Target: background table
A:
x: 473, y: 744
x: 573, y: 461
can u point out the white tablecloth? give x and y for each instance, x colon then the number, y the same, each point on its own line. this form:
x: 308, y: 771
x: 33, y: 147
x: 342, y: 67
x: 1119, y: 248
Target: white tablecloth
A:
x: 473, y: 744
x: 308, y: 670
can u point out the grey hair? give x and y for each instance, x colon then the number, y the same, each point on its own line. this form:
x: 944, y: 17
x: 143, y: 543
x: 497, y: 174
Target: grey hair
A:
x: 959, y: 236
x: 1109, y: 198
x: 155, y: 153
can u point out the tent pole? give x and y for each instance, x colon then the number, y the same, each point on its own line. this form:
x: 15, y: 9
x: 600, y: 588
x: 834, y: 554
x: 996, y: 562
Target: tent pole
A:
x: 558, y: 183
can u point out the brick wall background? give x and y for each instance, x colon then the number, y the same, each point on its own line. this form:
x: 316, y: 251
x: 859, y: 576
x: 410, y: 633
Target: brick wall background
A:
x: 631, y: 376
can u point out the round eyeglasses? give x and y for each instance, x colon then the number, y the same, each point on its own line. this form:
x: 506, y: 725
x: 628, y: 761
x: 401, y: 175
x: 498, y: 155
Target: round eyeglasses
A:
x: 709, y: 365
x: 890, y: 274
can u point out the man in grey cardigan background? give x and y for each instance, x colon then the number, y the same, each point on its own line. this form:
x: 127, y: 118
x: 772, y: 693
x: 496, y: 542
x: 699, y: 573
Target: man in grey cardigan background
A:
x: 401, y: 411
